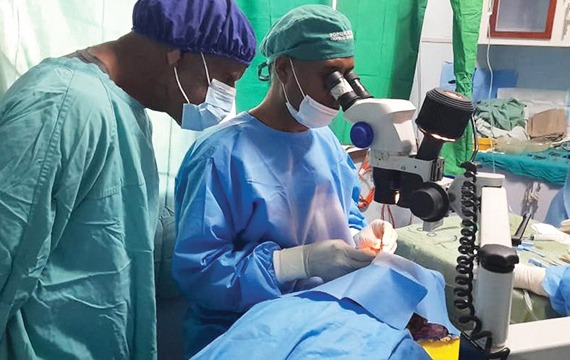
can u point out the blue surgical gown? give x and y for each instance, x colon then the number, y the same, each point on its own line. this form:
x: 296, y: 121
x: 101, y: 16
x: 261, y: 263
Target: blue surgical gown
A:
x: 78, y: 211
x: 559, y: 208
x: 243, y: 191
x: 556, y: 283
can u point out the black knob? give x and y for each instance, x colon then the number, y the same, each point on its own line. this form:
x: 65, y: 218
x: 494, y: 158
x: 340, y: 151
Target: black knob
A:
x: 498, y: 258
x: 430, y: 202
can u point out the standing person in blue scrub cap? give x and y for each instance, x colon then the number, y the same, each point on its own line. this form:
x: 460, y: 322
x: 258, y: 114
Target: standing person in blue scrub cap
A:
x: 266, y: 202
x: 79, y: 184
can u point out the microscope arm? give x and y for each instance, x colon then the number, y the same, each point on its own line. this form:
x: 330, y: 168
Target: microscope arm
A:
x: 540, y: 340
x: 496, y: 261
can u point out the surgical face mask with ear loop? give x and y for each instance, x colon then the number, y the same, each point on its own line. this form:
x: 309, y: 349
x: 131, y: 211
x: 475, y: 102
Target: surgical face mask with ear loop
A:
x: 219, y: 101
x: 311, y: 113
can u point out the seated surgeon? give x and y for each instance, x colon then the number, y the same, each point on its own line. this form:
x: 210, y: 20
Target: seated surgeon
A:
x: 79, y: 196
x: 266, y: 202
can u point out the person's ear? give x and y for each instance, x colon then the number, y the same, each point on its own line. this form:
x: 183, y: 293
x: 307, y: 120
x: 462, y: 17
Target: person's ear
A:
x: 173, y: 57
x: 282, y: 68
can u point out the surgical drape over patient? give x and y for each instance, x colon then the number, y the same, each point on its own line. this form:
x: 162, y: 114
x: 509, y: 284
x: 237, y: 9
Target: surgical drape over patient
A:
x: 215, y: 27
x: 363, y: 315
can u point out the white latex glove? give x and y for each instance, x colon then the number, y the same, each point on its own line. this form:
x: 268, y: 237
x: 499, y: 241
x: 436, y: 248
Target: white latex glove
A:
x: 328, y: 260
x: 378, y: 236
x: 530, y: 278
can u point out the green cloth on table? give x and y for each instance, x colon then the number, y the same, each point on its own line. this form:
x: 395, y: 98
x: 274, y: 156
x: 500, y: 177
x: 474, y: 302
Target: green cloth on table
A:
x: 437, y: 250
x: 548, y: 166
x: 502, y: 113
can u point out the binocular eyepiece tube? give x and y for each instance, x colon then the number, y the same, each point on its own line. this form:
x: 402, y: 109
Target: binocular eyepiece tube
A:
x: 356, y: 84
x: 346, y: 89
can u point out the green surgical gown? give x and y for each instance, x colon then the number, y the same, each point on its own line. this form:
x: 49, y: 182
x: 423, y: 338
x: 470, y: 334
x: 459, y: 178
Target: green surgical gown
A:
x: 78, y: 211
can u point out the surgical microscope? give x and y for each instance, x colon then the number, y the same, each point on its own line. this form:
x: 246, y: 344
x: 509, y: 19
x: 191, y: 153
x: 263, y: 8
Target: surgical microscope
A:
x: 411, y: 176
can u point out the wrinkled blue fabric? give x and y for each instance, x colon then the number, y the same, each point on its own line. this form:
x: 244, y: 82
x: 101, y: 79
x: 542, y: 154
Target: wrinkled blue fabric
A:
x: 395, y: 306
x: 216, y: 27
x: 406, y: 288
x: 560, y: 206
x: 312, y: 325
x: 556, y: 283
x: 78, y: 213
x: 361, y: 315
x: 243, y: 191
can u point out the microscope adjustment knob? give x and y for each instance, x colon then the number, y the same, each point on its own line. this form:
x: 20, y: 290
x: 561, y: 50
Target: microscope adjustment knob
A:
x: 430, y: 202
x: 498, y: 258
x: 361, y: 134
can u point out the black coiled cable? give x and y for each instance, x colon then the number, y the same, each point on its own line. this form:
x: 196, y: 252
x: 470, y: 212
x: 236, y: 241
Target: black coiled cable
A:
x: 463, y: 290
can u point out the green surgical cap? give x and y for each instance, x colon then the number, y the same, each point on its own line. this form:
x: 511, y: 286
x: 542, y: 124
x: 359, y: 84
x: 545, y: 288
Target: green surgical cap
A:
x: 309, y: 32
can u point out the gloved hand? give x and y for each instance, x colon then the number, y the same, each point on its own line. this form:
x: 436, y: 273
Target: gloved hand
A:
x: 378, y: 236
x: 328, y: 260
x: 529, y: 278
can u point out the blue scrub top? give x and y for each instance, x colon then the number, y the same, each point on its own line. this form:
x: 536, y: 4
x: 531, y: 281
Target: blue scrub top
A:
x: 559, y: 209
x: 78, y: 212
x: 556, y: 283
x: 245, y: 190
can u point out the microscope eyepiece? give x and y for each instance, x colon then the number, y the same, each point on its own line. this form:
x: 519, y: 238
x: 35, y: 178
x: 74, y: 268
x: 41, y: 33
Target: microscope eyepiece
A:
x: 357, y: 86
x: 341, y: 90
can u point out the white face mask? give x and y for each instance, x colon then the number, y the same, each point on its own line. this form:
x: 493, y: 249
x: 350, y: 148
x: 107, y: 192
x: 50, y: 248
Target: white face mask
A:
x: 218, y: 105
x: 311, y: 113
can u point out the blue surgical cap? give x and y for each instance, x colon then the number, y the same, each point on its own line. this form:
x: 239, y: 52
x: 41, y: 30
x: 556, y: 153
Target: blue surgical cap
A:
x: 216, y: 27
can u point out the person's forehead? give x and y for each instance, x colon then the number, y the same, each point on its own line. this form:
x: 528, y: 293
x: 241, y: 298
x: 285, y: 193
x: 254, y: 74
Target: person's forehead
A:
x: 230, y: 68
x: 221, y: 65
x: 340, y: 63
x: 337, y: 64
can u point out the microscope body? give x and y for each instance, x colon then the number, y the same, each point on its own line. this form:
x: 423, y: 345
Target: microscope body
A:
x: 411, y: 176
x: 404, y: 178
x: 403, y: 174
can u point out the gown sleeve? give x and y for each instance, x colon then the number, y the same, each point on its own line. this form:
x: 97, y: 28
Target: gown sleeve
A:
x: 52, y: 146
x: 211, y: 266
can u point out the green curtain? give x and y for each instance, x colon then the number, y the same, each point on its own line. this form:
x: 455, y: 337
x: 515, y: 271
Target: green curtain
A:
x: 466, y: 22
x: 387, y: 35
x: 262, y: 14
